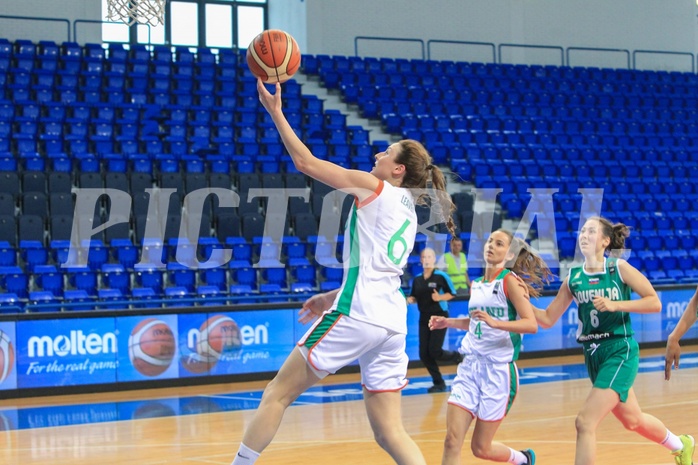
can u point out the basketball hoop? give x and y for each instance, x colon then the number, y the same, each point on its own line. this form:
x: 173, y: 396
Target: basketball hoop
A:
x: 137, y: 11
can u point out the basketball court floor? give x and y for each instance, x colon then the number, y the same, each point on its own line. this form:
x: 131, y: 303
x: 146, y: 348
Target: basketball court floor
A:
x: 328, y: 425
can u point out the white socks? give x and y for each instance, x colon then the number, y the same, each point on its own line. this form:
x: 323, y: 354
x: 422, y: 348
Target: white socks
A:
x: 245, y: 456
x: 517, y: 457
x: 672, y: 441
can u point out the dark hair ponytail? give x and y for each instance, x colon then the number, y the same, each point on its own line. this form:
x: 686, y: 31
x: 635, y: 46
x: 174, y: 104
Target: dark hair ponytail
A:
x: 616, y: 232
x: 420, y: 173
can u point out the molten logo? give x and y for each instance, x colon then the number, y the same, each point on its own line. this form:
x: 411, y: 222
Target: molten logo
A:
x: 258, y: 335
x: 676, y: 309
x: 75, y: 343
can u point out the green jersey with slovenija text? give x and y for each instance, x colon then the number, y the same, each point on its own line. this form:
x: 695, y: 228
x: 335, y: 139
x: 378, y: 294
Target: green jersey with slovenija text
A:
x: 594, y: 325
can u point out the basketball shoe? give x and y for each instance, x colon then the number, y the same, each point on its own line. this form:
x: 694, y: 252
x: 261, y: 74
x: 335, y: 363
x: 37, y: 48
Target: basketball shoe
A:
x: 530, y: 456
x: 684, y: 456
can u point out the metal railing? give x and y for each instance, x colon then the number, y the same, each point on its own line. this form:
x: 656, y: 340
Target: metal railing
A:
x: 97, y: 21
x: 598, y: 49
x: 463, y: 42
x: 541, y: 47
x: 663, y: 52
x: 37, y: 18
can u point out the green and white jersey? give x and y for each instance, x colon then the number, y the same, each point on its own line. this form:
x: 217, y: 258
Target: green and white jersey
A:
x: 584, y: 286
x: 378, y: 239
x: 483, y: 341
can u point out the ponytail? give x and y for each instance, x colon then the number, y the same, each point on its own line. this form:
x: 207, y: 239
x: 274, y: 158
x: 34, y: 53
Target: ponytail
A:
x: 528, y: 265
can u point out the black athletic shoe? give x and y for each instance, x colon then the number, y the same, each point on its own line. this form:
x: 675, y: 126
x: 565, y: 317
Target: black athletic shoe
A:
x: 530, y: 456
x: 437, y: 388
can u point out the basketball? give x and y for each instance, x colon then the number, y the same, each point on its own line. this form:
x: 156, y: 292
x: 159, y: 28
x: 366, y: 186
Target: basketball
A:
x: 151, y: 347
x: 195, y: 363
x: 217, y: 335
x: 273, y: 56
x: 7, y: 356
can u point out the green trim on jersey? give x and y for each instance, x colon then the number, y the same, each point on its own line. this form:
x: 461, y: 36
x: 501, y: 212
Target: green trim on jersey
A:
x: 328, y: 320
x: 345, y: 299
x: 515, y: 337
x: 495, y: 302
x: 513, y: 384
x: 513, y: 315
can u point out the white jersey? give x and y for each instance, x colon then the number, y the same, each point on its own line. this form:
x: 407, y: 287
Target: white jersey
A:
x: 482, y: 341
x: 378, y: 239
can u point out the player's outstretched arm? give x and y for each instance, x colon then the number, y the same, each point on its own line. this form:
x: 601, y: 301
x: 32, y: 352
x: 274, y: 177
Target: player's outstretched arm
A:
x: 547, y: 318
x: 441, y: 322
x: 359, y: 183
x: 673, y: 349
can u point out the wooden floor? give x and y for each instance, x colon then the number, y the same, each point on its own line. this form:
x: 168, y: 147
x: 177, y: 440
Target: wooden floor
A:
x: 338, y: 433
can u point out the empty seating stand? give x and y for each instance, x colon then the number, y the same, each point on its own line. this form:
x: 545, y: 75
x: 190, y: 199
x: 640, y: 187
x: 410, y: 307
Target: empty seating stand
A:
x: 164, y: 123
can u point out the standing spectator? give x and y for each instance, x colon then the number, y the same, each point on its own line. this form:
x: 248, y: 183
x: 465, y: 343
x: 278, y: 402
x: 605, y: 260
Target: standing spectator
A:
x: 456, y: 266
x: 431, y: 290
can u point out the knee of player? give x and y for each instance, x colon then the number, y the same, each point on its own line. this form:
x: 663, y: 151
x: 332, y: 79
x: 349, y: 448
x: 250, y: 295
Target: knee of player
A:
x: 584, y: 424
x: 385, y: 437
x: 481, y: 449
x: 631, y: 422
x: 453, y: 441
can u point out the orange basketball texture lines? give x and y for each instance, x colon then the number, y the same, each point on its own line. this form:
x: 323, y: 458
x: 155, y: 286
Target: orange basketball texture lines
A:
x: 7, y: 356
x: 273, y: 56
x: 218, y: 335
x: 151, y: 347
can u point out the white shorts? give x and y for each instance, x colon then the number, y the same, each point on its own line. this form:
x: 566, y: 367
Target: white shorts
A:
x: 336, y: 340
x: 486, y: 390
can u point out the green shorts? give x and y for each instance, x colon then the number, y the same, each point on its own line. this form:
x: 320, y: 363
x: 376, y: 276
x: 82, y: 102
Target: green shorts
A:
x: 613, y: 364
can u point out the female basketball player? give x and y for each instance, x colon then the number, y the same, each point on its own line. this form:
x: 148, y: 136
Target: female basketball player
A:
x: 365, y: 318
x: 601, y: 288
x: 673, y: 350
x: 487, y: 378
x: 431, y: 290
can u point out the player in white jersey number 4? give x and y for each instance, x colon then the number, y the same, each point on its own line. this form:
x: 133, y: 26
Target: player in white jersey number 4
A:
x: 487, y: 380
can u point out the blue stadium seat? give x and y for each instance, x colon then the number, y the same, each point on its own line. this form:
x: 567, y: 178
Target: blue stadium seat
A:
x: 214, y: 277
x: 33, y: 253
x: 48, y: 278
x: 332, y: 273
x: 142, y: 295
x: 302, y: 288
x: 175, y: 294
x: 115, y: 276
x: 152, y: 279
x: 275, y: 276
x: 74, y: 296
x: 10, y: 303
x: 15, y: 281
x: 272, y: 293
x: 43, y: 299
x: 210, y: 292
x: 293, y: 247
